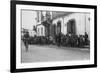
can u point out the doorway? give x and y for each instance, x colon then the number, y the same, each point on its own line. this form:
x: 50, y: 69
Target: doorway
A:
x: 58, y: 27
x: 71, y: 26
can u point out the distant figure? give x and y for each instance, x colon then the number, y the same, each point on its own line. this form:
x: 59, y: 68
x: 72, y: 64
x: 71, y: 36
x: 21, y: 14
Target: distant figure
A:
x: 26, y: 38
x: 70, y: 34
x: 80, y: 41
x: 70, y: 39
x: 86, y: 38
x: 59, y: 39
x: 51, y: 39
x: 56, y: 38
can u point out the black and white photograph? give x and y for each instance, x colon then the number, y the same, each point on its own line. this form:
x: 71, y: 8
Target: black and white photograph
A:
x: 50, y: 36
x: 54, y: 36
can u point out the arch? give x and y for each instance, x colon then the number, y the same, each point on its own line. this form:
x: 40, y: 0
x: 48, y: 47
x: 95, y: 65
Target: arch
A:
x: 71, y: 26
x: 58, y: 27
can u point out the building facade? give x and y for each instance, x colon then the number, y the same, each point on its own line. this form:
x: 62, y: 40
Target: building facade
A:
x: 75, y: 23
x: 43, y: 23
x: 53, y: 23
x: 40, y: 30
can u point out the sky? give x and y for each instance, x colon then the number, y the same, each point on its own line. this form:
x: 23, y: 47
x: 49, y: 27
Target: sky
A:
x: 28, y: 19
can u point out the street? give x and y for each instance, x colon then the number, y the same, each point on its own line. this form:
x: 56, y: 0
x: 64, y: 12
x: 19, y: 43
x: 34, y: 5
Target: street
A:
x: 44, y: 53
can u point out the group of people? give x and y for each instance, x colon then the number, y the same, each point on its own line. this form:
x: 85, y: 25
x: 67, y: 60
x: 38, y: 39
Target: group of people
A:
x: 69, y: 39
x: 72, y: 40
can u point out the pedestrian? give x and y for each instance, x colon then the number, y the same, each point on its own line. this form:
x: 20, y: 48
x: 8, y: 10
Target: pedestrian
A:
x: 26, y: 40
x: 86, y: 38
x: 81, y: 41
x: 56, y: 39
x: 59, y: 39
x: 70, y: 39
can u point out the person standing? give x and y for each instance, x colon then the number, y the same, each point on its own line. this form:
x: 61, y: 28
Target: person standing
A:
x: 26, y: 40
x: 86, y: 38
x: 59, y: 39
x: 70, y: 39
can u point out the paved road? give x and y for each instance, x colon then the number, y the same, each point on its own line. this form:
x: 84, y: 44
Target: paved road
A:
x: 40, y: 53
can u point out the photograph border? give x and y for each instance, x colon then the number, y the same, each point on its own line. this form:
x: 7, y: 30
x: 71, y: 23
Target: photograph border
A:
x: 13, y: 35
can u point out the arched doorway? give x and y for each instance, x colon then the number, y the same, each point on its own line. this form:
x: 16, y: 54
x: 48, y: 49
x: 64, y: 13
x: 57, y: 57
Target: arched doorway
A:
x: 58, y: 27
x: 71, y: 26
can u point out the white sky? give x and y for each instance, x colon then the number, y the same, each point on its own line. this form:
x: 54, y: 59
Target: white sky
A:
x: 28, y: 19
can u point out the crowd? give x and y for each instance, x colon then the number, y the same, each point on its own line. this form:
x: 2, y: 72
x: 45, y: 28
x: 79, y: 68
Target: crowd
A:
x: 70, y: 40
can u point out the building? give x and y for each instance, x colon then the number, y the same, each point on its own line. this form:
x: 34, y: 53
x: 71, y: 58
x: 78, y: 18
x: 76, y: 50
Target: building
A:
x: 40, y: 30
x: 32, y: 33
x: 76, y: 23
x: 52, y: 23
x: 43, y: 23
